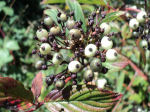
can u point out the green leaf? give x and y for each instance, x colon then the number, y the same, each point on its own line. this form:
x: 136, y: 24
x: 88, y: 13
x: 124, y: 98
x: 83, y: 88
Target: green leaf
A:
x: 2, y: 4
x: 126, y: 32
x: 11, y: 45
x: 8, y: 11
x: 136, y: 97
x: 97, y: 2
x: 81, y: 98
x: 120, y: 82
x: 112, y: 16
x: 70, y: 4
x: 5, y: 57
x: 75, y: 6
x: 53, y: 1
x: 14, y: 89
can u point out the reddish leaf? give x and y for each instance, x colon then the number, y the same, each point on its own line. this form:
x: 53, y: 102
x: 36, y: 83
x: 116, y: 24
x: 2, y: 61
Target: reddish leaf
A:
x: 10, y: 88
x: 121, y: 65
x: 37, y: 85
x: 17, y: 105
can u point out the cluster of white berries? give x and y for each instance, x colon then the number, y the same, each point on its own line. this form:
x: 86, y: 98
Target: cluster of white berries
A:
x: 91, y: 50
x: 140, y: 18
x: 87, y: 52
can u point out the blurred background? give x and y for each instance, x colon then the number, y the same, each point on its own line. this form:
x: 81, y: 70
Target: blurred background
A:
x: 19, y: 20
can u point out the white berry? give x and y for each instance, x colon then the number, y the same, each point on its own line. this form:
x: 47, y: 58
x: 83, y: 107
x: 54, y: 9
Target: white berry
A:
x: 111, y: 55
x: 41, y: 33
x: 90, y: 50
x: 144, y: 43
x: 55, y: 30
x: 70, y: 24
x: 45, y: 48
x: 74, y: 66
x: 63, y: 17
x: 101, y: 83
x: 133, y: 24
x: 106, y: 43
x: 141, y: 16
x: 106, y: 27
x: 57, y: 58
x: 48, y: 21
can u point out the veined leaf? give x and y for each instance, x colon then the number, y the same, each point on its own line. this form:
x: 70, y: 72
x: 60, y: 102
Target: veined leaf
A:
x: 112, y: 16
x: 75, y: 6
x: 81, y: 98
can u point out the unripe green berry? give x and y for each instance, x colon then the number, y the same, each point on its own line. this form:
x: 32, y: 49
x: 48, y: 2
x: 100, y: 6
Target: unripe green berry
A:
x: 106, y: 43
x: 70, y: 24
x: 106, y: 28
x: 48, y: 21
x: 55, y: 30
x: 96, y: 65
x: 59, y: 84
x: 90, y: 50
x: 74, y: 66
x: 41, y: 33
x: 63, y: 17
x: 45, y: 48
x: 75, y: 34
x: 57, y: 58
x: 111, y: 55
x: 88, y: 75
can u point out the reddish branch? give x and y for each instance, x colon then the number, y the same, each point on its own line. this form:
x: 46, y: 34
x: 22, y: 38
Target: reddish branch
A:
x: 132, y: 9
x: 136, y: 68
x: 131, y: 82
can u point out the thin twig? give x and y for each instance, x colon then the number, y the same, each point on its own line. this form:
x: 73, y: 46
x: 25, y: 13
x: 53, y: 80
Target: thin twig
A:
x: 131, y: 82
x: 136, y: 68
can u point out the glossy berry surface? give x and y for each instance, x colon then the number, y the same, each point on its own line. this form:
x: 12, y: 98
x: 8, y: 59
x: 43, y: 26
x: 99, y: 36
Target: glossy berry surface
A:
x: 90, y: 50
x: 74, y: 66
x: 45, y: 48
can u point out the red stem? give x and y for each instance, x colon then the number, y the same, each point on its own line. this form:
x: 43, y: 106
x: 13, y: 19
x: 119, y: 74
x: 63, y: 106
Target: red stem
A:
x: 132, y: 9
x: 67, y: 79
x: 3, y: 34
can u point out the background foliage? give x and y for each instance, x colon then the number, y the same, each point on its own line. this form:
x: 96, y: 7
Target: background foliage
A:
x: 19, y: 20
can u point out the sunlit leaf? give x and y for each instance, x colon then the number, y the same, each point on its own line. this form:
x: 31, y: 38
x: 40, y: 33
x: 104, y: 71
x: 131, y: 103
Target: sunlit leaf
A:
x: 81, y: 99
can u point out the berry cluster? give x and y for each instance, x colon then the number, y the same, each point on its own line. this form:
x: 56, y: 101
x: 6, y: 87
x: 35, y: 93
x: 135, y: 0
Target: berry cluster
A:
x: 140, y: 24
x: 89, y: 49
